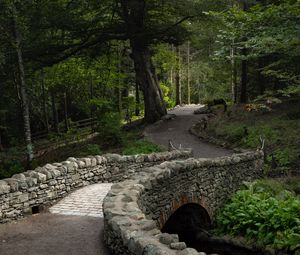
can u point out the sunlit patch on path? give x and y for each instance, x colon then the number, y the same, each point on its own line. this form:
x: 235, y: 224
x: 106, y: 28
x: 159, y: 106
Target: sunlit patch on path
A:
x: 86, y: 201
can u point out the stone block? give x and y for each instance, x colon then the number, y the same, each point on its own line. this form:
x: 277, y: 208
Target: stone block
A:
x: 4, y: 187
x: 20, y: 177
x: 13, y: 183
x: 87, y: 162
x: 43, y: 186
x: 178, y: 246
x: 167, y: 239
x: 55, y: 173
x: 22, y: 198
x: 31, y: 182
x: 45, y: 172
x: 72, y: 167
x: 93, y: 161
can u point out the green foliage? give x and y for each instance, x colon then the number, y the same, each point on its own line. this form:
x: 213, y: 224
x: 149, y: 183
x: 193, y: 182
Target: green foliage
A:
x: 9, y: 162
x: 252, y: 139
x: 92, y: 149
x: 284, y: 156
x: 266, y: 30
x: 166, y: 90
x: 108, y: 121
x: 109, y: 128
x: 129, y: 104
x: 140, y: 147
x: 264, y: 212
x: 10, y: 168
x: 232, y: 133
x: 293, y: 184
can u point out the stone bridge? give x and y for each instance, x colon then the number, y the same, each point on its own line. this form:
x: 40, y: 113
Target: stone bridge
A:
x: 149, y: 193
x: 177, y: 196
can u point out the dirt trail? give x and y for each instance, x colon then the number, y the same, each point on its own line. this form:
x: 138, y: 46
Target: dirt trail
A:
x: 48, y: 234
x: 177, y: 130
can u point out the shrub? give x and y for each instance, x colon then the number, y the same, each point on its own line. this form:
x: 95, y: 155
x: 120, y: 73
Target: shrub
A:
x: 167, y: 99
x: 109, y: 128
x: 264, y: 212
x: 108, y: 121
x: 140, y: 147
x: 232, y: 133
x: 252, y: 139
x: 93, y: 149
x: 284, y: 156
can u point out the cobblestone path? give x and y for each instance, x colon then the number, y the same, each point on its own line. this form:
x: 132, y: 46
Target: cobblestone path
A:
x: 86, y: 201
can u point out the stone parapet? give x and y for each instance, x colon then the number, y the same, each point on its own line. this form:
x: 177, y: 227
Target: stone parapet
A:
x: 45, y: 185
x: 135, y: 210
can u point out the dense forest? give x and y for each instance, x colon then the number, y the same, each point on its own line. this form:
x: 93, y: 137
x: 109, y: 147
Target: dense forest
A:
x: 66, y: 61
x: 71, y: 71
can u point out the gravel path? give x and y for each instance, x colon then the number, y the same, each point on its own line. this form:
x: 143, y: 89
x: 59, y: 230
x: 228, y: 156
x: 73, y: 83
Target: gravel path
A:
x: 177, y: 130
x: 75, y: 226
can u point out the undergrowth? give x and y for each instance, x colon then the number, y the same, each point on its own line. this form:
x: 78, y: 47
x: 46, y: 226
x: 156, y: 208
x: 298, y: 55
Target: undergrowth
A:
x: 280, y: 129
x: 265, y: 212
x: 140, y: 147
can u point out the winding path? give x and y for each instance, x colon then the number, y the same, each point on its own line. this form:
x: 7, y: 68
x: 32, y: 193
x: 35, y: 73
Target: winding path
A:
x: 177, y: 130
x: 78, y: 230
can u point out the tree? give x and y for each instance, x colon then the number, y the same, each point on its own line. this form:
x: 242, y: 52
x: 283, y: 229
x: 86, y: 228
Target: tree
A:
x: 143, y: 23
x: 13, y: 16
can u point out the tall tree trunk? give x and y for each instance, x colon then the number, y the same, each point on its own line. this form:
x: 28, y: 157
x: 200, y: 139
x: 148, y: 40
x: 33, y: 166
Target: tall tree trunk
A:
x: 188, y: 75
x: 137, y: 98
x: 243, y: 98
x: 91, y: 97
x: 54, y: 112
x: 134, y: 13
x: 147, y: 79
x: 66, y: 112
x: 233, y: 75
x: 24, y: 101
x: 177, y: 78
x: 119, y: 90
x: 261, y: 80
x: 45, y: 110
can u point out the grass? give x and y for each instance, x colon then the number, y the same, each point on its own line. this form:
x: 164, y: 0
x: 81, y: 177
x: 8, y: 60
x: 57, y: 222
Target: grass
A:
x: 140, y: 147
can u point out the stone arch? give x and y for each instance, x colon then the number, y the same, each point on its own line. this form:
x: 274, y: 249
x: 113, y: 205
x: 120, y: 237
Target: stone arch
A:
x: 184, y: 199
x: 190, y: 221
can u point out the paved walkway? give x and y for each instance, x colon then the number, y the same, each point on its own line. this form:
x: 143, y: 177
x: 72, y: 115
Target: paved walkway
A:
x: 52, y: 234
x: 86, y: 201
x: 77, y: 231
x: 177, y: 130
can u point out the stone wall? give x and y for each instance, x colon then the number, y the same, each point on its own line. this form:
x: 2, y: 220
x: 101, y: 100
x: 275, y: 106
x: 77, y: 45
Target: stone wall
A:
x: 136, y: 209
x: 43, y: 186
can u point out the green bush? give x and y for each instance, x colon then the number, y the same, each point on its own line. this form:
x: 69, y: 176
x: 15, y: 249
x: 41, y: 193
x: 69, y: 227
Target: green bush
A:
x: 108, y: 121
x: 232, y: 133
x: 284, y: 156
x: 166, y: 95
x: 252, y: 139
x: 266, y: 213
x: 10, y: 168
x: 140, y: 147
x: 93, y: 149
x: 109, y: 128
